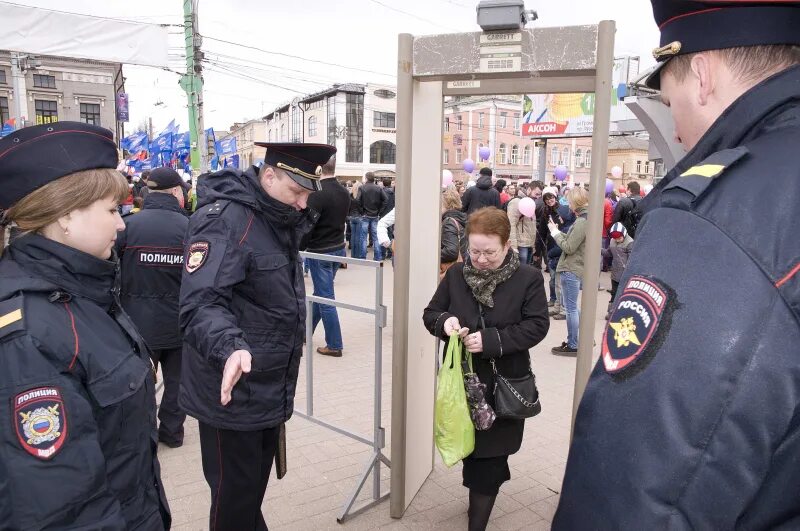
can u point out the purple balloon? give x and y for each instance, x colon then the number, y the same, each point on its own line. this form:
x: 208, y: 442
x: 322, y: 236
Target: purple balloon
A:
x: 469, y: 165
x: 609, y: 186
x: 561, y: 172
x: 484, y: 153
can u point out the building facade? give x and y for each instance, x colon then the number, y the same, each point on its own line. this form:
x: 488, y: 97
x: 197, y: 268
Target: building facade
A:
x: 360, y: 120
x: 246, y: 134
x: 59, y: 88
x: 631, y: 154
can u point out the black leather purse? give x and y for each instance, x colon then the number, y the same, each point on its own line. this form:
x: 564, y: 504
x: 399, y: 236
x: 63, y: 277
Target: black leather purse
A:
x: 514, y: 398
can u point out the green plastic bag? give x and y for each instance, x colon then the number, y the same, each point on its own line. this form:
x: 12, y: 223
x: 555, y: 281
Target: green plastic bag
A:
x: 453, y: 430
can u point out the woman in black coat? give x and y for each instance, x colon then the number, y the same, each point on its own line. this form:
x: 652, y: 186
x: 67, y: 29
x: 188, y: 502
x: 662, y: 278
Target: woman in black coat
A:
x: 512, y: 299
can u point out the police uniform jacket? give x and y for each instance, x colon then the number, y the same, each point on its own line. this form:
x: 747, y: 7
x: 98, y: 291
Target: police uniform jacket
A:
x: 77, y: 401
x: 517, y: 322
x: 691, y: 420
x: 242, y: 289
x: 151, y: 257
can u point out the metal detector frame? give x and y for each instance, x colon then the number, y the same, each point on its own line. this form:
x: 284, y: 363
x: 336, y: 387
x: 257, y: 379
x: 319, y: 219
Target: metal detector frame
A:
x: 559, y: 59
x: 378, y: 441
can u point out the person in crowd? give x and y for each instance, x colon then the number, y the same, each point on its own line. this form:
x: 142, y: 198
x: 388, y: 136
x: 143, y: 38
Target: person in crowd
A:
x: 150, y: 250
x: 553, y: 251
x: 354, y: 222
x: 332, y: 203
x: 482, y: 194
x: 511, y: 191
x: 570, y: 265
x: 500, y: 186
x: 385, y: 226
x: 608, y: 220
x: 628, y: 211
x: 242, y: 315
x: 77, y: 393
x: 498, y: 306
x: 138, y: 203
x: 523, y: 232
x: 388, y: 189
x: 371, y: 200
x: 619, y: 250
x: 142, y: 191
x: 453, y: 241
x: 697, y: 387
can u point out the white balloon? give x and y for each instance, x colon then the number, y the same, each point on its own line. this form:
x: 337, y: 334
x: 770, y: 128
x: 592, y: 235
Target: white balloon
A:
x: 616, y: 172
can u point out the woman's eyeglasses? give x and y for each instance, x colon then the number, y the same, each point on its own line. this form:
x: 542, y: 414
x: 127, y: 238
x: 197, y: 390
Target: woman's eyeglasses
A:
x: 489, y: 255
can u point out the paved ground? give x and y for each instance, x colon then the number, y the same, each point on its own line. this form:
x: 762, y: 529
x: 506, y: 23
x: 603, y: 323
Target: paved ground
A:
x: 324, y: 466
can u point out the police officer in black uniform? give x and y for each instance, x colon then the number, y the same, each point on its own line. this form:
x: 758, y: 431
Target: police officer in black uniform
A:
x: 691, y: 418
x: 151, y: 256
x: 77, y: 402
x: 242, y: 316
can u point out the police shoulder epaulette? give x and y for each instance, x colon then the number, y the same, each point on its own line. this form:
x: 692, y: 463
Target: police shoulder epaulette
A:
x: 12, y: 316
x: 215, y: 209
x: 697, y: 178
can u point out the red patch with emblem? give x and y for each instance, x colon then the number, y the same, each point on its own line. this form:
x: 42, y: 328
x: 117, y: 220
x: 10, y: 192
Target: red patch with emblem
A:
x: 40, y: 421
x: 196, y: 256
x: 638, y: 311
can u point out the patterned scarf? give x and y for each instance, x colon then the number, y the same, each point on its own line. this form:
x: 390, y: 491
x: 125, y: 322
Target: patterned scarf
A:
x: 484, y: 282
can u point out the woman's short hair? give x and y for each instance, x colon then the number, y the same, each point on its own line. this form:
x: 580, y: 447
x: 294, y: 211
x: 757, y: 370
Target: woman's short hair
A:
x: 79, y: 190
x: 450, y: 199
x: 578, y: 198
x: 490, y: 221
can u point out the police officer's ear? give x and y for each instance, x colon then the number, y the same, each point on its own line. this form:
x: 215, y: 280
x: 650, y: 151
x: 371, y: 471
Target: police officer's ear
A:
x: 705, y: 71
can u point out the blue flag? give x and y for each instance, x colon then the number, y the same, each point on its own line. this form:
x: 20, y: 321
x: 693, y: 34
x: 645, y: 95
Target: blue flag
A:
x: 227, y: 146
x: 171, y: 128
x: 135, y: 142
x: 182, y: 141
x: 162, y: 143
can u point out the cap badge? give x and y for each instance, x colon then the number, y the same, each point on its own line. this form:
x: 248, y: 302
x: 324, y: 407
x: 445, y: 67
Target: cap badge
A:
x: 669, y: 50
x: 318, y: 171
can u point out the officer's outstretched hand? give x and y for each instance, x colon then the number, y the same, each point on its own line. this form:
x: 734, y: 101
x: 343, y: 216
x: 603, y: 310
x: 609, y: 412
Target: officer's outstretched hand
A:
x: 238, y: 363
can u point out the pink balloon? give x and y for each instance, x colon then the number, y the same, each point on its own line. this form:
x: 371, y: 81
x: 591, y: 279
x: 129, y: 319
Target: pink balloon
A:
x: 447, y: 178
x: 527, y: 207
x: 616, y: 172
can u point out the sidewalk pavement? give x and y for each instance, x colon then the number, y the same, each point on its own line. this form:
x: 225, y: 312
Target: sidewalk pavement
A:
x: 323, y: 466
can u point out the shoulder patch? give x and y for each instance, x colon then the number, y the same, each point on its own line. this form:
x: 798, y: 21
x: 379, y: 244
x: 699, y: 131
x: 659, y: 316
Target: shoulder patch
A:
x: 215, y: 209
x: 196, y: 256
x: 40, y: 421
x: 697, y: 178
x: 11, y: 316
x: 637, y: 319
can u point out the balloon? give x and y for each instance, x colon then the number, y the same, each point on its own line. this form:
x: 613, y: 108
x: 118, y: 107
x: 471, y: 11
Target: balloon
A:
x: 616, y: 172
x: 609, y: 186
x: 622, y: 189
x: 527, y: 207
x: 447, y: 178
x: 648, y: 188
x: 484, y: 153
x: 469, y: 165
x: 561, y: 173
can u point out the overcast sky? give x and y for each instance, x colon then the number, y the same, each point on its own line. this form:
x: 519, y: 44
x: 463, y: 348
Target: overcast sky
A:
x: 361, y: 34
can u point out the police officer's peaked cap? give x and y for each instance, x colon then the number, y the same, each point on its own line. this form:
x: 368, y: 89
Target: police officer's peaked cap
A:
x: 33, y: 156
x: 690, y: 26
x: 303, y: 162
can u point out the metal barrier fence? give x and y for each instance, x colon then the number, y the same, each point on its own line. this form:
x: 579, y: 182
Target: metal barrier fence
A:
x: 378, y: 441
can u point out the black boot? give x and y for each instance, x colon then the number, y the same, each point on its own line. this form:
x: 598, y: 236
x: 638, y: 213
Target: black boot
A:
x: 480, y: 508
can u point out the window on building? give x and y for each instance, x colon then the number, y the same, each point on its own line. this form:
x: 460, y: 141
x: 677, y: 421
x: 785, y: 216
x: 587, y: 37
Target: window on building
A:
x: 503, y: 120
x: 331, y: 101
x: 565, y: 156
x: 46, y: 111
x: 42, y: 81
x: 382, y: 152
x: 554, y: 156
x: 647, y: 166
x: 283, y: 132
x: 90, y: 113
x: 587, y: 159
x: 460, y: 121
x: 312, y: 126
x: 515, y: 155
x: 480, y: 120
x: 502, y: 154
x: 3, y: 78
x: 516, y: 122
x: 269, y: 135
x: 527, y: 159
x: 355, y: 128
x: 447, y: 125
x: 297, y: 134
x: 446, y: 157
x: 4, y: 114
x: 638, y: 166
x: 383, y: 119
x: 578, y: 158
x: 459, y: 155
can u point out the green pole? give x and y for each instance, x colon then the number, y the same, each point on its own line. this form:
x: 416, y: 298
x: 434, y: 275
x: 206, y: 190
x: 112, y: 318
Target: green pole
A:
x: 192, y: 83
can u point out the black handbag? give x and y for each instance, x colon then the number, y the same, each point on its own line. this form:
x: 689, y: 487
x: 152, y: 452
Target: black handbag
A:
x: 514, y: 398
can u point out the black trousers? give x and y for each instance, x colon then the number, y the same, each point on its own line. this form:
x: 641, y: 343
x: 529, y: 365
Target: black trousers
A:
x: 171, y: 417
x: 236, y: 465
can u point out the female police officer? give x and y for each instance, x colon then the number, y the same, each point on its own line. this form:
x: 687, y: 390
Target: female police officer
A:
x: 77, y: 406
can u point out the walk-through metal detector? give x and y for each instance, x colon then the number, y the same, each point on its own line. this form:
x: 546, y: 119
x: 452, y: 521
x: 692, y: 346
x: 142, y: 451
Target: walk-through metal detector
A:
x: 540, y: 60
